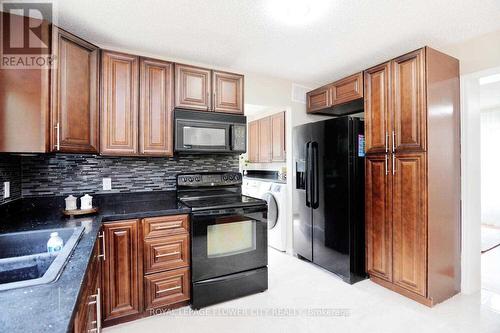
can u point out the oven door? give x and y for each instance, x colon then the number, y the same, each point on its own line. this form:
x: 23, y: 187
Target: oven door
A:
x: 228, y: 242
x: 193, y: 136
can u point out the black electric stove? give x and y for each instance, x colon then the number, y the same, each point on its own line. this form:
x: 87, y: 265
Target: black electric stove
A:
x: 228, y: 237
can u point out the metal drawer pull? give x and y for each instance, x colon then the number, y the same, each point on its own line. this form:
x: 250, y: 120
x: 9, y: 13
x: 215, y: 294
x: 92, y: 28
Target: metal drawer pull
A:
x: 168, y: 227
x: 58, y: 136
x: 393, y: 164
x: 167, y: 254
x: 168, y: 289
x: 385, y: 164
x: 103, y: 255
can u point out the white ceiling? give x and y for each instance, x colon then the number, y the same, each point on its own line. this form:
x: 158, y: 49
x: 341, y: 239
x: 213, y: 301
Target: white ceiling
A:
x: 343, y: 37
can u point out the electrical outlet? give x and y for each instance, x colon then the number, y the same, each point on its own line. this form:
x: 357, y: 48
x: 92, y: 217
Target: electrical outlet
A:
x: 106, y: 184
x: 6, y: 190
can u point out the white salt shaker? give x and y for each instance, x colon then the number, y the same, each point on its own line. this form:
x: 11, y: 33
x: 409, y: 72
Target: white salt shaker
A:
x: 86, y: 202
x: 70, y: 202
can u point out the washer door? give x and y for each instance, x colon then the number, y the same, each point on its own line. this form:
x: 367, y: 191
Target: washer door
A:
x: 272, y: 210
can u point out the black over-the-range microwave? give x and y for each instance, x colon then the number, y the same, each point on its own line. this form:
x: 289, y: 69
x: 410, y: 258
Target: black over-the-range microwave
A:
x: 209, y: 132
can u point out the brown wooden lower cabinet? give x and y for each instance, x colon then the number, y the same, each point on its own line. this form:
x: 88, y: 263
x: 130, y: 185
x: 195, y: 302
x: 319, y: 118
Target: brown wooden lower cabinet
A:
x: 145, y: 265
x: 122, y: 270
x: 88, y: 315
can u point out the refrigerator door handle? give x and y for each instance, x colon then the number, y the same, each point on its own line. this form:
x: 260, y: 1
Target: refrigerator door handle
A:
x: 308, y: 178
x: 315, y: 169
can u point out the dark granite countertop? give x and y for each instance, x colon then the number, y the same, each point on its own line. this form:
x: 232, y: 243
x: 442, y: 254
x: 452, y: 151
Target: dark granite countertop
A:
x: 51, y: 307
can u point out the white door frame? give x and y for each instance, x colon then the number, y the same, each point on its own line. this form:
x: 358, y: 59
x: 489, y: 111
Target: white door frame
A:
x: 471, y: 179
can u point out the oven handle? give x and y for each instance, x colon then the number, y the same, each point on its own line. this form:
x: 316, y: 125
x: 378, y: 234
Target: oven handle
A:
x: 233, y: 211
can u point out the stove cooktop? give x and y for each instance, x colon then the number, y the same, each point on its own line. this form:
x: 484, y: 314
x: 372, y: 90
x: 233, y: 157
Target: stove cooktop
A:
x: 208, y: 203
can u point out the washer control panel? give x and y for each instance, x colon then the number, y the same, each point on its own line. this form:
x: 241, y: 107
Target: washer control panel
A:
x: 209, y: 179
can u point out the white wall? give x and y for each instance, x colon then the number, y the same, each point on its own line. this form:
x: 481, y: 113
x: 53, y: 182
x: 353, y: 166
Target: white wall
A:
x: 477, y: 54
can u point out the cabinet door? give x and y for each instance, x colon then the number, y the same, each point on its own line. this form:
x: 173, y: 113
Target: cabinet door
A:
x: 122, y: 273
x: 347, y: 89
x: 409, y: 222
x: 377, y: 108
x: 74, y: 102
x: 120, y: 95
x: 378, y: 217
x: 193, y: 87
x: 278, y: 137
x: 156, y: 85
x: 318, y: 99
x: 409, y: 106
x: 253, y: 141
x: 228, y: 92
x: 265, y: 140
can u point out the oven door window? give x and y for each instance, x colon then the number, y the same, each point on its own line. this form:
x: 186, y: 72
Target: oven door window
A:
x: 231, y: 239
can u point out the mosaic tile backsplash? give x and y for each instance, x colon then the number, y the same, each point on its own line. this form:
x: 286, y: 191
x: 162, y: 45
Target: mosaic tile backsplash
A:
x: 10, y: 170
x: 65, y: 174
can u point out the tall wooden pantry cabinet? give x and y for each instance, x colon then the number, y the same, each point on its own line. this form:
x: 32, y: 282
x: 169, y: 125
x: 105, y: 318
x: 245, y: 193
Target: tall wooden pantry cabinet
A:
x: 413, y: 175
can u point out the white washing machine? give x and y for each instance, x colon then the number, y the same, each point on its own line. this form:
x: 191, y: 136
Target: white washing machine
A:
x: 275, y: 195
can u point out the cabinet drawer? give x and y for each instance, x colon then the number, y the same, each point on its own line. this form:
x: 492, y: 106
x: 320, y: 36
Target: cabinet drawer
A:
x: 165, y: 225
x: 166, y: 288
x: 166, y: 253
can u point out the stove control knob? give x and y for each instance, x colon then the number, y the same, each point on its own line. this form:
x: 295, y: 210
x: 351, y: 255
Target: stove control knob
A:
x: 224, y: 178
x: 231, y: 178
x: 190, y: 179
x: 198, y: 178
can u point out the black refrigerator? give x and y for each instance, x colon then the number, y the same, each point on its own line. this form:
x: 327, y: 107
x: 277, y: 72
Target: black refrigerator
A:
x: 328, y: 195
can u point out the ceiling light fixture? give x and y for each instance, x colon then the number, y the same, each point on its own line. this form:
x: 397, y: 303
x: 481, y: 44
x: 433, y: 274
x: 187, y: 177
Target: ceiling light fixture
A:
x: 296, y: 12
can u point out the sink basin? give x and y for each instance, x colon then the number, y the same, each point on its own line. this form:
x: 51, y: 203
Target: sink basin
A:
x: 24, y: 260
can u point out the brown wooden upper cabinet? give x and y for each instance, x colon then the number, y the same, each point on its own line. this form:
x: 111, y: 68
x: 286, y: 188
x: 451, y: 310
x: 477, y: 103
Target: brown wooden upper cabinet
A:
x: 266, y: 139
x: 337, y: 93
x: 75, y: 97
x: 265, y: 144
x: 193, y: 87
x: 206, y: 90
x: 60, y: 116
x: 136, y: 115
x: 155, y: 113
x: 120, y: 104
x: 253, y: 141
x: 228, y: 92
x: 278, y: 137
x: 377, y: 108
x: 409, y: 109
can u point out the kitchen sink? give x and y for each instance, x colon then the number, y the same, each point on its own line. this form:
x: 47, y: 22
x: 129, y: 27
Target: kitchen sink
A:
x: 24, y: 260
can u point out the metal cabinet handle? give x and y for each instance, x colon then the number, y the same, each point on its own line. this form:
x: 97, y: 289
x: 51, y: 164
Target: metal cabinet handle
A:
x: 393, y: 141
x: 393, y: 164
x: 168, y: 227
x: 167, y: 254
x: 58, y: 136
x: 103, y: 255
x: 97, y: 301
x: 168, y: 289
x: 386, y: 165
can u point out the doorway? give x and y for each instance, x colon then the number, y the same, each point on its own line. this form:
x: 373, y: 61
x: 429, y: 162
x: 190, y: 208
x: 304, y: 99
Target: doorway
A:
x: 489, y: 101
